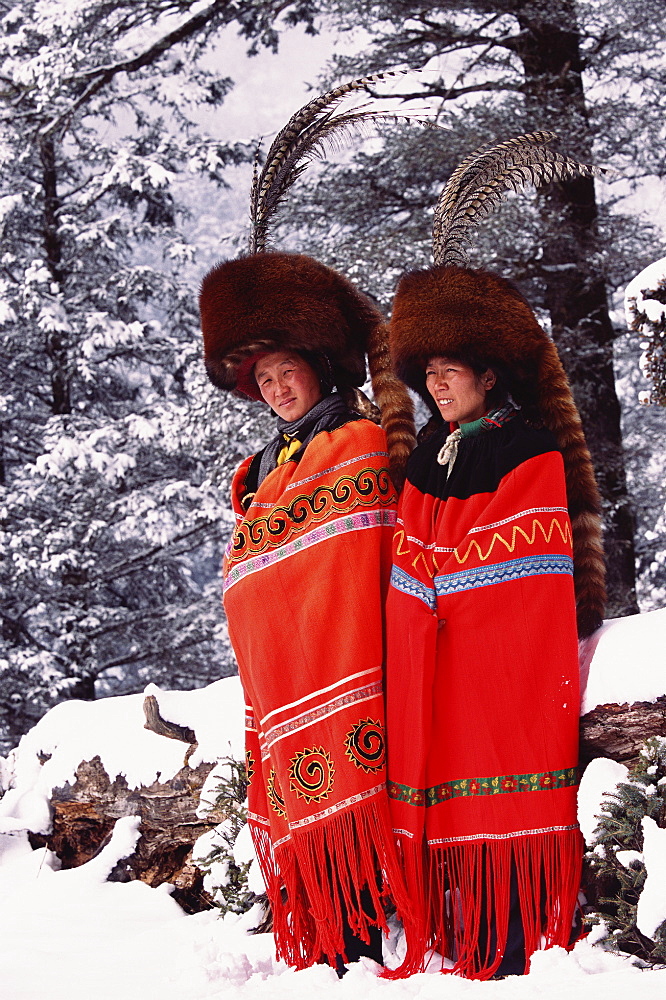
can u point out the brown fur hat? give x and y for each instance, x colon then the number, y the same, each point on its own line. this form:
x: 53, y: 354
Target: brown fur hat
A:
x: 275, y: 301
x: 466, y: 313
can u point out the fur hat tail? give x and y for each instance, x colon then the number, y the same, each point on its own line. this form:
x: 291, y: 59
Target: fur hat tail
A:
x: 561, y: 416
x: 394, y: 402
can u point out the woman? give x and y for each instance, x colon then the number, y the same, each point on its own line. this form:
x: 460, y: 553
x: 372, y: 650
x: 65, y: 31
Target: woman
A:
x: 306, y: 571
x: 305, y: 579
x: 482, y: 666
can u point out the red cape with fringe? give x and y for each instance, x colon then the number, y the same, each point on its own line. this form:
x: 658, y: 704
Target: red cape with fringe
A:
x: 305, y: 579
x: 483, y: 702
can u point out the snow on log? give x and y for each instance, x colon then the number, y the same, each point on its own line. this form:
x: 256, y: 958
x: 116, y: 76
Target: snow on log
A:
x: 623, y: 687
x: 86, y: 765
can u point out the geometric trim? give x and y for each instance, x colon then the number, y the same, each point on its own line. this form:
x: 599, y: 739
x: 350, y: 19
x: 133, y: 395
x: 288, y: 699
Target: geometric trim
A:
x: 517, y: 530
x: 294, y: 725
x: 505, y: 784
x: 503, y: 836
x: 331, y: 810
x: 514, y: 569
x: 409, y: 585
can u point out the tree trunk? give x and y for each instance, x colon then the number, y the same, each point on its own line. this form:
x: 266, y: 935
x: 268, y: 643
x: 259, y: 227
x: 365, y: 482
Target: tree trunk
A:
x: 56, y: 345
x: 575, y: 293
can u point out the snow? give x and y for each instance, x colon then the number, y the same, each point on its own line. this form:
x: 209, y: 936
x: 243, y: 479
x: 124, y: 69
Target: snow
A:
x: 626, y: 661
x: 601, y: 776
x: 72, y: 934
x: 652, y: 902
x: 647, y: 281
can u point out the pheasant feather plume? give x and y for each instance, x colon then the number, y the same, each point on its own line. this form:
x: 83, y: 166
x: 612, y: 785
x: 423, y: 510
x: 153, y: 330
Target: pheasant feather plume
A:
x: 312, y: 130
x: 477, y: 186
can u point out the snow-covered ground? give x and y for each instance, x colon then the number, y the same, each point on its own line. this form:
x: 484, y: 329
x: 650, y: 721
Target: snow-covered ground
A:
x: 71, y: 934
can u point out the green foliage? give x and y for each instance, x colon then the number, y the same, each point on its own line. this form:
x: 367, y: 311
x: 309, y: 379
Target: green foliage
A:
x: 615, y: 881
x: 226, y: 879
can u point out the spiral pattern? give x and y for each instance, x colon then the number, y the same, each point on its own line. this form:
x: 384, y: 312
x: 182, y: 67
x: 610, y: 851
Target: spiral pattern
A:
x: 365, y: 745
x: 369, y: 486
x: 274, y: 792
x: 311, y: 774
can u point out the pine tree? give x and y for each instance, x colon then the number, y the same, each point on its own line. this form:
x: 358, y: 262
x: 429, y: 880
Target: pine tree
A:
x: 226, y: 879
x: 112, y: 512
x: 615, y: 867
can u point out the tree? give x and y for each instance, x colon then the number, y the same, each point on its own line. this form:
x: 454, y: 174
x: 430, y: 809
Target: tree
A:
x: 112, y: 516
x: 593, y: 72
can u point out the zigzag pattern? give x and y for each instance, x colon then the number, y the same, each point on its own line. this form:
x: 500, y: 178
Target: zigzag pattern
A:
x: 565, y: 534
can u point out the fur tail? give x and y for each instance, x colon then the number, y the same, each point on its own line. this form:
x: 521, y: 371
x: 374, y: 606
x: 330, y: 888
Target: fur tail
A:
x: 395, y: 405
x: 562, y: 418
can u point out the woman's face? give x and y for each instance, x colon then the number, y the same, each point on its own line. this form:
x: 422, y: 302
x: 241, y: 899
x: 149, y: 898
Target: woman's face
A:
x: 460, y: 394
x: 287, y: 383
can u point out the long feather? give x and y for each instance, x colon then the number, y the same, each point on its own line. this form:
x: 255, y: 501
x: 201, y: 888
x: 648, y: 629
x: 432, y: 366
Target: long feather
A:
x: 478, y: 185
x: 314, y: 128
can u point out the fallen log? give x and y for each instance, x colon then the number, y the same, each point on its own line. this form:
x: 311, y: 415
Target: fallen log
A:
x: 618, y: 731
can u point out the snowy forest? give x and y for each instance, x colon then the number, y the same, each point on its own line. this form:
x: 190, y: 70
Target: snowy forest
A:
x: 128, y: 137
x: 122, y: 182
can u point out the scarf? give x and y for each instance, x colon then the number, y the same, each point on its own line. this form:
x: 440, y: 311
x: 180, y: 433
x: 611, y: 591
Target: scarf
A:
x: 496, y: 418
x: 323, y: 415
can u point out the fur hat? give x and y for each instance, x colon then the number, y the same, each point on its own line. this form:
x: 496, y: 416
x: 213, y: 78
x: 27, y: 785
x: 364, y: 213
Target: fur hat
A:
x: 282, y: 301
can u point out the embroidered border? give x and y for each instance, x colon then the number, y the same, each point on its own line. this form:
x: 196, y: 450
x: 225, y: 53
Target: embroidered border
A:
x: 501, y: 836
x: 352, y: 800
x: 510, y: 545
x: 503, y: 784
x: 367, y: 488
x: 514, y: 569
x: 409, y: 585
x: 306, y: 719
x: 350, y: 522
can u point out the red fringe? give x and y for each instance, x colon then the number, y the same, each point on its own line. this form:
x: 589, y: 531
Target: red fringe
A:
x: 314, y: 883
x: 462, y: 893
